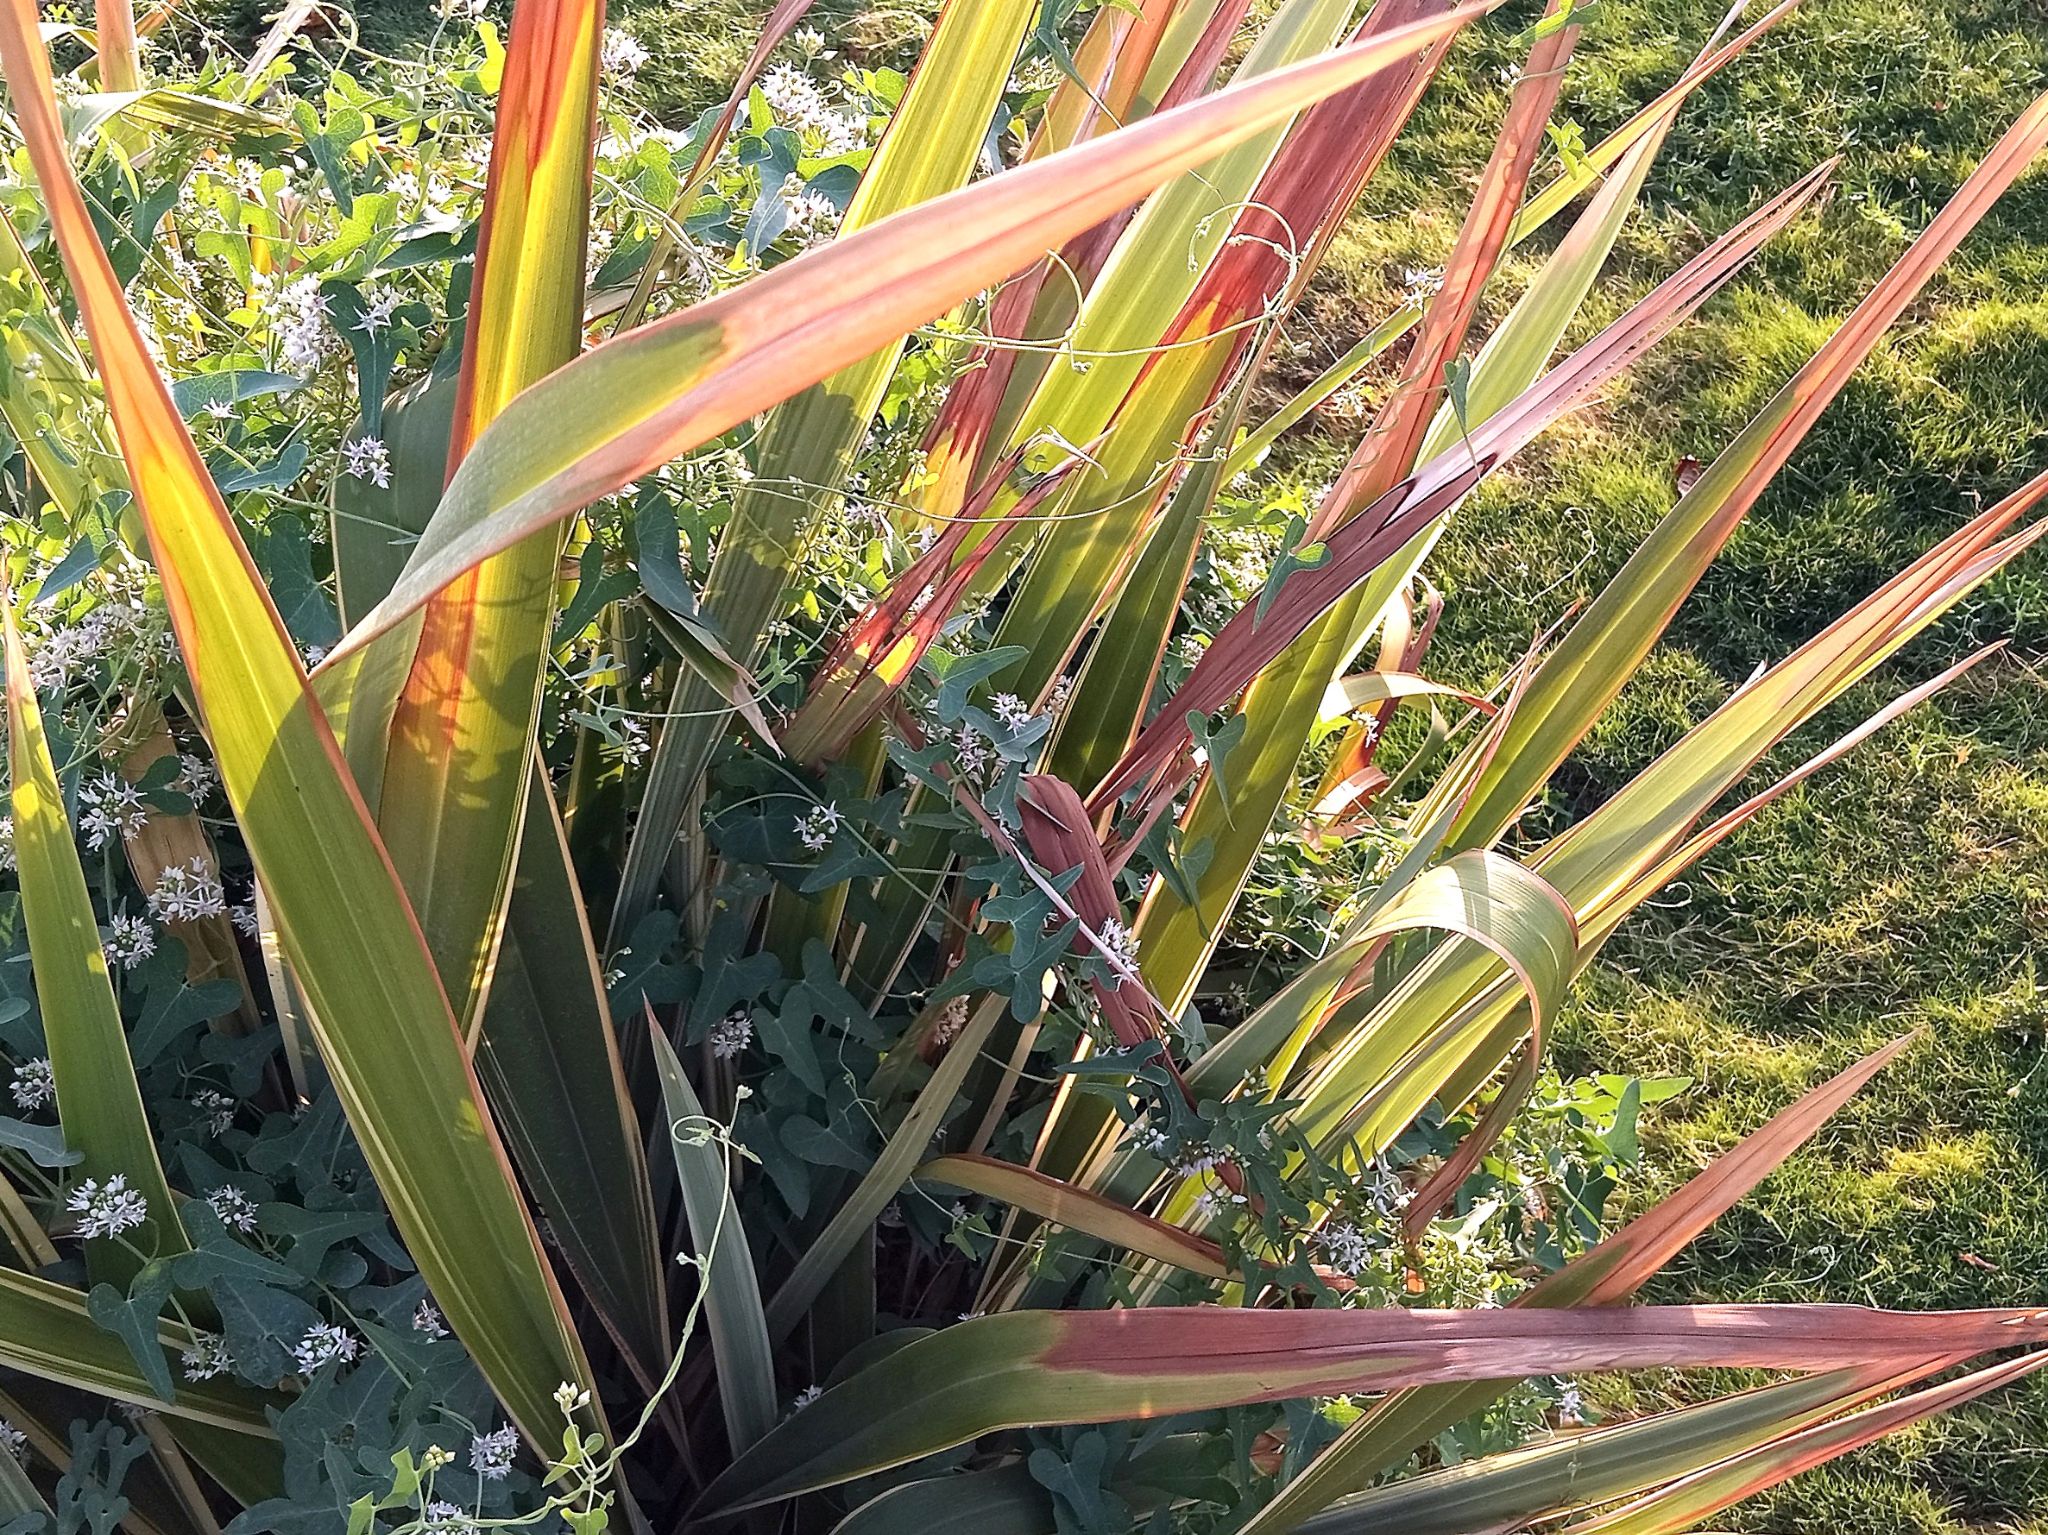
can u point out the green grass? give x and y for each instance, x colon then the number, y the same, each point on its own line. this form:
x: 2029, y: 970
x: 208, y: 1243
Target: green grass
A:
x: 1902, y: 889
x: 1899, y: 890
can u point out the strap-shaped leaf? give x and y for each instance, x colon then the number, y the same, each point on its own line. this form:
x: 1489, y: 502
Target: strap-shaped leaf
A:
x: 382, y: 1019
x: 454, y: 783
x: 1581, y: 1470
x: 1577, y: 681
x: 1608, y: 1273
x: 1028, y: 1368
x: 642, y: 398
x: 46, y: 1331
x: 732, y: 1290
x: 98, y: 1100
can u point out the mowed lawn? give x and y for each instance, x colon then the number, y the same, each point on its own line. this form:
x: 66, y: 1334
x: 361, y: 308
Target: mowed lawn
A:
x: 1902, y: 890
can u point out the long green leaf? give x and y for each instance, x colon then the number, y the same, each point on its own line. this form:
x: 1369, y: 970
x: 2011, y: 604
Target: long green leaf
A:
x: 98, y: 1099
x: 1029, y: 1368
x: 732, y: 1291
x: 45, y: 1331
x: 892, y: 1168
x: 1706, y: 1493
x: 641, y: 399
x: 1616, y: 1460
x: 383, y: 1022
x: 454, y: 783
x: 1577, y: 681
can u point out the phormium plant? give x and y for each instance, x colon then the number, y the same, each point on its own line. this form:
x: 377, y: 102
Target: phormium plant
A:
x: 812, y: 686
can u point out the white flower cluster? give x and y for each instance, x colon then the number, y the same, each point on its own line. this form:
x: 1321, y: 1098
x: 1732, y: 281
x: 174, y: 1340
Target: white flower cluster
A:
x: 378, y: 308
x: 444, y: 1518
x: 1345, y: 1248
x: 1121, y: 945
x: 816, y: 827
x: 305, y: 338
x: 206, y: 1358
x: 1010, y: 711
x: 490, y: 1455
x: 428, y: 1322
x: 325, y: 1344
x: 129, y: 940
x: 33, y: 1084
x: 951, y: 1020
x: 812, y: 215
x: 366, y: 458
x: 187, y: 893
x: 623, y: 55
x: 217, y: 1107
x: 117, y: 629
x: 107, y: 1210
x: 799, y: 102
x: 237, y: 1211
x: 732, y: 1033
x: 109, y: 807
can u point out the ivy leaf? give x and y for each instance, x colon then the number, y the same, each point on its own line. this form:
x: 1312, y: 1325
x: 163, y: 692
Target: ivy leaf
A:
x: 959, y: 675
x: 133, y: 1319
x: 1294, y: 555
x: 314, y: 1232
x: 43, y: 1143
x: 262, y: 1324
x: 1217, y: 744
x: 172, y: 1006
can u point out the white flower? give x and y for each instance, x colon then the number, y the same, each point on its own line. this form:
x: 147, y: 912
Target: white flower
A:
x: 1389, y: 1195
x: 1571, y: 1407
x: 815, y: 828
x: 220, y: 410
x: 732, y: 1033
x: 808, y: 40
x: 805, y: 1397
x: 304, y: 337
x: 107, y: 1210
x: 196, y: 776
x: 1010, y: 711
x: 633, y: 742
x: 569, y: 1399
x: 237, y: 1211
x: 444, y: 1518
x: 1120, y: 944
x: 490, y: 1455
x: 325, y: 1344
x: 794, y: 97
x: 811, y: 214
x: 1195, y: 1159
x: 1346, y: 1248
x: 34, y: 1085
x: 366, y: 458
x: 206, y: 1358
x: 1422, y: 281
x: 187, y: 893
x: 218, y: 1108
x: 427, y: 1321
x: 129, y: 941
x: 623, y: 54
x: 244, y: 918
x: 971, y: 754
x: 110, y: 807
x: 13, y: 1441
x: 377, y: 310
